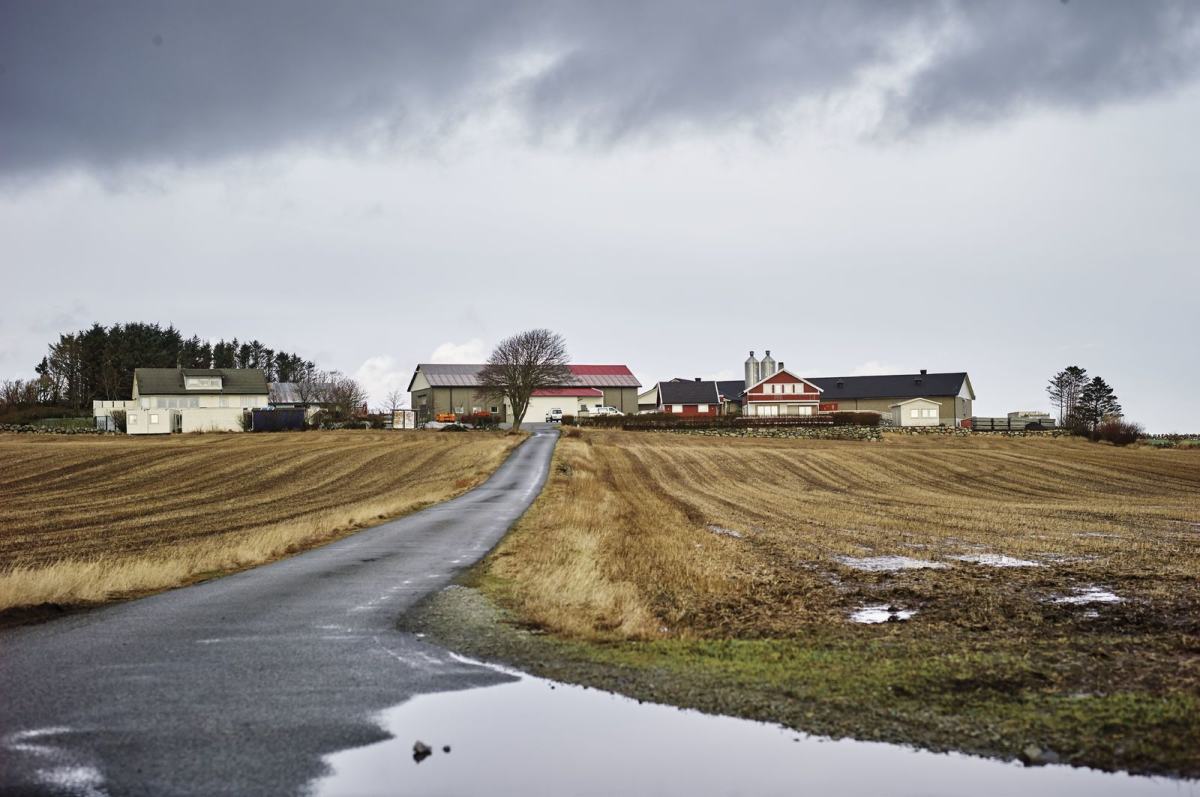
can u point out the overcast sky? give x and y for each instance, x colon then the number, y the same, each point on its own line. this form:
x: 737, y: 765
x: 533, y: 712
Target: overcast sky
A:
x: 1001, y: 187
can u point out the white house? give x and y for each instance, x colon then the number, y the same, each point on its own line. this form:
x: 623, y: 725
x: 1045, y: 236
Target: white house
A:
x: 916, y: 412
x: 169, y: 400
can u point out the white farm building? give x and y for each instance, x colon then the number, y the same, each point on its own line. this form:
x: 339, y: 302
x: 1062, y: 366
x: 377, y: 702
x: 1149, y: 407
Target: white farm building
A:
x: 167, y: 400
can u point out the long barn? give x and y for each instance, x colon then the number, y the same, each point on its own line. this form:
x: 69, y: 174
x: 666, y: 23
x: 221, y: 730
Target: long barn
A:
x: 438, y: 388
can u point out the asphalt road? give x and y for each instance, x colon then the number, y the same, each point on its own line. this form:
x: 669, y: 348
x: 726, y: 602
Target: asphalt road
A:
x: 240, y: 685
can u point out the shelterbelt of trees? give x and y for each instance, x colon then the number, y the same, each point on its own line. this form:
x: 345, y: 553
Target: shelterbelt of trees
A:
x: 98, y: 362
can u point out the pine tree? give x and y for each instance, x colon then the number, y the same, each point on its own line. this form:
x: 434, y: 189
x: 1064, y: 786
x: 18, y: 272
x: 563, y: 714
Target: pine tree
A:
x: 1097, y: 402
x: 1065, y: 388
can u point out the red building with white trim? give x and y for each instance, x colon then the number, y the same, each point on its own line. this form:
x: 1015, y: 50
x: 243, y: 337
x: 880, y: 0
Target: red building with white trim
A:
x: 781, y: 393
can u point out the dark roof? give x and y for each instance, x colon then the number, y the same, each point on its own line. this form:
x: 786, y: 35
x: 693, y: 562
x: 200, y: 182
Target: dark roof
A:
x: 887, y: 386
x: 467, y: 375
x: 731, y: 388
x: 169, y: 381
x: 683, y: 391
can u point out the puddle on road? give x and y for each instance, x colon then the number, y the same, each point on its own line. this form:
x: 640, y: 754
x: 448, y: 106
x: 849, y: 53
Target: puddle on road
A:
x: 535, y: 737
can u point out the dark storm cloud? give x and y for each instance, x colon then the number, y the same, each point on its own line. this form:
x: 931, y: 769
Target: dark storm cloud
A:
x: 104, y: 84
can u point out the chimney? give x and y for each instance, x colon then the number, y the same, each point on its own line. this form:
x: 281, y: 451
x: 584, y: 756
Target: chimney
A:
x: 697, y: 379
x: 923, y: 372
x: 780, y: 366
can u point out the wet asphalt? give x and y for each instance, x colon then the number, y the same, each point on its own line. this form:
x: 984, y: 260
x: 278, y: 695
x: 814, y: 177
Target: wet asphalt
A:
x: 241, y: 684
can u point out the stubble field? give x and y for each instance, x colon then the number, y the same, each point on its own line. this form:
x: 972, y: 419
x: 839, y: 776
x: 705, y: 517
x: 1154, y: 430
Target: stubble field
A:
x: 1033, y: 596
x: 85, y: 519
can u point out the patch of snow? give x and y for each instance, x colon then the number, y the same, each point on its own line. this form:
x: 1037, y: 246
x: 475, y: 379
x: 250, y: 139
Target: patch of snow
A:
x: 1062, y: 558
x: 724, y: 532
x: 78, y: 780
x: 995, y: 560
x: 1090, y: 595
x: 1099, y: 534
x: 880, y: 564
x: 880, y: 614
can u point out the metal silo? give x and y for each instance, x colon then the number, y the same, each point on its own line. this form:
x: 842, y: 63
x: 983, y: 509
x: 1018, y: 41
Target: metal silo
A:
x: 751, y: 370
x: 766, y: 366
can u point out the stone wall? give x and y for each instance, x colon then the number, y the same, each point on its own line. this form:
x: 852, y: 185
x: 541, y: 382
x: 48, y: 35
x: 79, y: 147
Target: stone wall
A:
x: 868, y: 433
x: 959, y: 431
x: 28, y: 428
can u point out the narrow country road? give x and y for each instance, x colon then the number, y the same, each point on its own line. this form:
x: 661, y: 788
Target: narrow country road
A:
x: 240, y: 685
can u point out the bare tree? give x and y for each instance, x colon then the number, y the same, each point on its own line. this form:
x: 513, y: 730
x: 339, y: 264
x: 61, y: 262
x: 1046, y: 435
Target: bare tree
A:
x: 343, y: 396
x: 311, y: 386
x: 394, y: 400
x: 521, y: 364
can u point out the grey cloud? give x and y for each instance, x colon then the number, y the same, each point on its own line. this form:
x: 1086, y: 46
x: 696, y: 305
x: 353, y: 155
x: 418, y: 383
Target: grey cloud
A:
x: 106, y: 84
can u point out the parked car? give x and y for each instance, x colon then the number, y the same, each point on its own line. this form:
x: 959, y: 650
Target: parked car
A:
x: 602, y: 409
x: 554, y: 416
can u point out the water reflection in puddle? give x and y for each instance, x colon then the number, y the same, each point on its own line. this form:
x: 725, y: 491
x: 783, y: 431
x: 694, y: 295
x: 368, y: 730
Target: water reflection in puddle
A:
x: 536, y: 737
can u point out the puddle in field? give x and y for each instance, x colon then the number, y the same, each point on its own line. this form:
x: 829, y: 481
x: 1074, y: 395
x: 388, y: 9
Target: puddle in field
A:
x: 1090, y: 595
x: 879, y: 564
x: 995, y: 560
x: 881, y: 614
x: 533, y: 736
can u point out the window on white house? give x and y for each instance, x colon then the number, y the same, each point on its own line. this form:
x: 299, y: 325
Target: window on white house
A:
x: 153, y: 417
x: 701, y: 408
x: 915, y: 413
x: 806, y: 410
x: 133, y: 419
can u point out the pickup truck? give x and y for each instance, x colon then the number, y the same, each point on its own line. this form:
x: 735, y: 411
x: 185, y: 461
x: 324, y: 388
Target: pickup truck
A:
x: 554, y: 416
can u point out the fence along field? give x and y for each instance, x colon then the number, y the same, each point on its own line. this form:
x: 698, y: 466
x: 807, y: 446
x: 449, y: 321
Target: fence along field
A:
x: 85, y: 519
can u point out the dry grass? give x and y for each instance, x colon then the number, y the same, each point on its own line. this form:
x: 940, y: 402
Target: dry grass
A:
x: 624, y: 543
x: 86, y: 519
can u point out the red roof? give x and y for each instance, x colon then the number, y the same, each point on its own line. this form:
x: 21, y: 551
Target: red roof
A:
x: 569, y: 392
x: 600, y: 370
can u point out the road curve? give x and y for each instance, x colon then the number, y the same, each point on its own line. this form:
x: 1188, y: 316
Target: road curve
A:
x: 240, y: 685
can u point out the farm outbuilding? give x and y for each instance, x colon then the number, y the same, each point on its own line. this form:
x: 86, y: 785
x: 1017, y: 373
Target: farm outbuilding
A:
x: 916, y: 412
x: 438, y: 388
x: 689, y: 397
x: 567, y: 399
